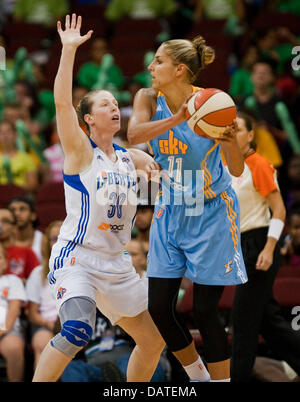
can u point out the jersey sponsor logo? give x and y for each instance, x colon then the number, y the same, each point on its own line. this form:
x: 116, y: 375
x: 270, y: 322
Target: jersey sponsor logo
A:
x: 5, y: 292
x: 113, y: 228
x: 72, y: 261
x: 60, y: 293
x: 116, y: 228
x: 172, y: 145
x: 104, y: 226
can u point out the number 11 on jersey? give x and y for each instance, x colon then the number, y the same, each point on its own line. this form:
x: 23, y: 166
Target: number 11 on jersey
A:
x: 178, y: 161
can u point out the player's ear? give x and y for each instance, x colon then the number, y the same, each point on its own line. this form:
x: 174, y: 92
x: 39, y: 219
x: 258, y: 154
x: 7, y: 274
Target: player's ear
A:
x: 251, y: 135
x: 180, y: 69
x: 88, y: 118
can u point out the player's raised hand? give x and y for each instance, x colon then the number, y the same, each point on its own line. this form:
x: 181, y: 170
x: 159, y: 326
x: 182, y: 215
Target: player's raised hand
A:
x: 71, y: 35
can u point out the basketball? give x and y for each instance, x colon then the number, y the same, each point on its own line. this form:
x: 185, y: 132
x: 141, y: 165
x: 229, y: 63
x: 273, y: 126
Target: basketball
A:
x: 209, y: 111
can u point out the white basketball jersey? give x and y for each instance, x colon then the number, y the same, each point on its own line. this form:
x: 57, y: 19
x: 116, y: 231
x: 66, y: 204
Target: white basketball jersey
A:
x: 100, y: 206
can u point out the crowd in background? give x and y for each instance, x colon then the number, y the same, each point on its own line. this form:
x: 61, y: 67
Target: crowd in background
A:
x: 259, y: 74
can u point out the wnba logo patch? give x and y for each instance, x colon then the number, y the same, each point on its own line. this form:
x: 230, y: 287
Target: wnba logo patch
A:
x: 228, y: 267
x: 159, y: 213
x: 60, y: 293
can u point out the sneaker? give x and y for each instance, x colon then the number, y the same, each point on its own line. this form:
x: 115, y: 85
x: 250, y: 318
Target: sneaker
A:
x: 111, y: 373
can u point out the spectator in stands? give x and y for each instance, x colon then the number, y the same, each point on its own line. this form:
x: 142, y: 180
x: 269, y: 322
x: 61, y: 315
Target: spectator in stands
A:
x: 94, y: 74
x: 42, y: 313
x: 13, y: 112
x: 233, y: 11
x: 181, y: 20
x: 27, y: 96
x: 6, y: 9
x: 20, y: 260
x: 19, y: 116
x: 216, y: 9
x: 276, y: 43
x: 78, y: 93
x: 45, y: 95
x: 291, y: 245
x: 138, y: 256
x: 16, y: 167
x: 55, y: 158
x: 266, y: 40
x: 143, y: 221
x: 270, y: 111
x: 143, y: 78
x: 292, y: 183
x: 286, y: 6
x: 45, y: 12
x: 26, y: 234
x: 12, y: 294
x: 162, y: 11
x: 117, y: 9
x: 241, y: 84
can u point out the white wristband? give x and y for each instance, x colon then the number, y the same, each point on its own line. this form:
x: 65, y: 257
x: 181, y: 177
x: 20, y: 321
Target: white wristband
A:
x: 275, y: 228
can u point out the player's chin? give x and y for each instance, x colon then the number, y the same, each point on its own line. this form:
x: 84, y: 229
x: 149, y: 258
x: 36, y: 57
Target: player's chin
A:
x: 116, y: 124
x: 154, y: 84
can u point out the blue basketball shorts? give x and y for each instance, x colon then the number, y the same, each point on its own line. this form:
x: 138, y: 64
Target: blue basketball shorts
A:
x: 206, y: 248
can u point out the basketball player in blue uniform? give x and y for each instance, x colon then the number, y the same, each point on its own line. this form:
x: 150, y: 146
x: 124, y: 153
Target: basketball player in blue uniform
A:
x: 89, y: 266
x: 195, y: 231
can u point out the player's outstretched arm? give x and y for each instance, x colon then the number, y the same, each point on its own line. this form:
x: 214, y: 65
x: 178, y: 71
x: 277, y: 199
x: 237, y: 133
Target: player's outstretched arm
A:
x: 71, y: 135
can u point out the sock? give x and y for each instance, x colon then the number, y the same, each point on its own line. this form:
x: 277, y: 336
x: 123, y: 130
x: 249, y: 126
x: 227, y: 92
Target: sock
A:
x: 220, y: 370
x: 224, y: 380
x: 197, y: 371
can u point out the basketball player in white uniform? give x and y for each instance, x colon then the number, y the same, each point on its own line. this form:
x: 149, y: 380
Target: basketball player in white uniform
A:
x: 89, y: 266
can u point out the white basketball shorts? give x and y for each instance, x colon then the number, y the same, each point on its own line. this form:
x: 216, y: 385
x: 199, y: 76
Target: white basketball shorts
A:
x: 113, y: 284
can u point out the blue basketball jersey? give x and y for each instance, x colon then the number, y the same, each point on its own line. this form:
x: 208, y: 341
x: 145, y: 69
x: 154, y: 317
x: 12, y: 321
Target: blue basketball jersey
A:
x: 202, y: 240
x: 191, y: 164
